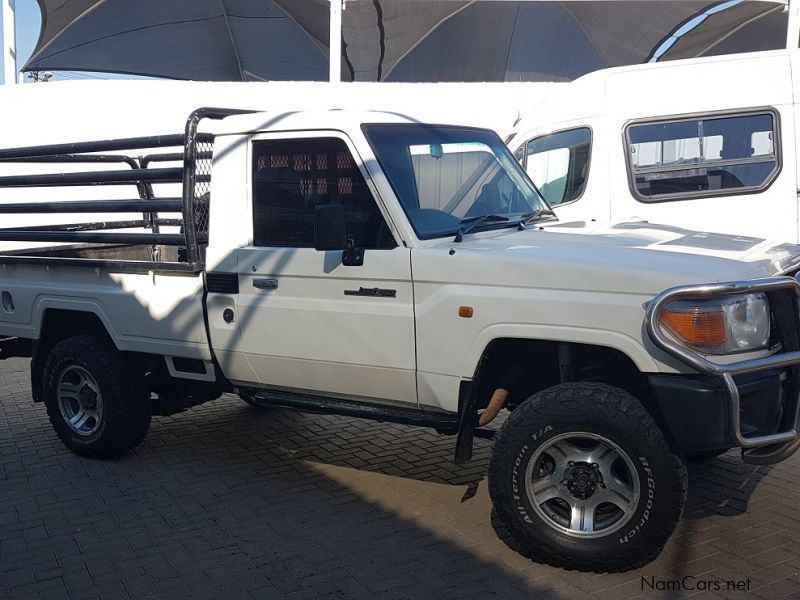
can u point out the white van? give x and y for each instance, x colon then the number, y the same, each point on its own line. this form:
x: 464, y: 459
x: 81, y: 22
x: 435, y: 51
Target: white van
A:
x: 706, y: 144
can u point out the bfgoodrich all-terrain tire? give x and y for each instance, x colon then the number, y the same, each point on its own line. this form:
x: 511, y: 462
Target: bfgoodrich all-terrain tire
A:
x: 96, y: 397
x: 583, y: 478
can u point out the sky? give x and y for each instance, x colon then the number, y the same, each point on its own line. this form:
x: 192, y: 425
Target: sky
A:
x: 28, y: 22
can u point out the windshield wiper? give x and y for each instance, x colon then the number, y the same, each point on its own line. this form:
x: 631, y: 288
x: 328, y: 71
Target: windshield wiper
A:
x: 471, y: 223
x: 535, y: 214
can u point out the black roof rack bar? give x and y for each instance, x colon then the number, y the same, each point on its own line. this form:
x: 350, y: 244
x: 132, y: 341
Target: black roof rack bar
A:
x: 163, y: 157
x: 166, y: 239
x: 169, y: 157
x: 96, y: 226
x: 168, y: 205
x: 118, y: 266
x: 135, y: 143
x: 172, y: 175
x: 169, y: 222
x: 75, y: 158
x: 144, y: 191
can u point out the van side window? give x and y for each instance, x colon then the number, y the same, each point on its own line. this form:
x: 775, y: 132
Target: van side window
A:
x: 701, y: 157
x: 559, y: 164
x: 292, y: 177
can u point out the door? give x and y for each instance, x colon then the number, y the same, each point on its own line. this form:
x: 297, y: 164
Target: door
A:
x: 306, y: 321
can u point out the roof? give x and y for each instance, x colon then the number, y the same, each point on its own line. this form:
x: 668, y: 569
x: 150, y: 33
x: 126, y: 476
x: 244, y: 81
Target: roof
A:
x: 336, y: 119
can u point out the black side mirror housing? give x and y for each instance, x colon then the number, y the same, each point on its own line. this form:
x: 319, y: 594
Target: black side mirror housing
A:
x: 330, y: 233
x: 352, y: 256
x: 329, y: 227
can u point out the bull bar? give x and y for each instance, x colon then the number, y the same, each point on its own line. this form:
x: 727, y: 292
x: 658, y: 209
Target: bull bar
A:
x: 726, y: 372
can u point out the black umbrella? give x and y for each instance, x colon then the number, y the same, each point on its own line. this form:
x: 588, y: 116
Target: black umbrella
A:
x: 394, y: 40
x: 547, y: 41
x: 215, y: 40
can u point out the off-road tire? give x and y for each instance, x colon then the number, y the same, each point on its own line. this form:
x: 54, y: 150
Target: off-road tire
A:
x: 125, y: 396
x: 616, y: 415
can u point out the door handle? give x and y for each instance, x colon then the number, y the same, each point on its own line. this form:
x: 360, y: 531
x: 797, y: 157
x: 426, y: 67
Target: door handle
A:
x: 265, y: 284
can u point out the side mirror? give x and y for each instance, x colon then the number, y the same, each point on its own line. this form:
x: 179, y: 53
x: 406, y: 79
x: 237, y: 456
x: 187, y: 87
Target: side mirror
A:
x: 330, y: 233
x: 329, y: 227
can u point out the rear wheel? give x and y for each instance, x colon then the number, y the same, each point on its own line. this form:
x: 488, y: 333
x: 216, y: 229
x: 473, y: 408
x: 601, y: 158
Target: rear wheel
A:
x: 583, y: 478
x: 96, y: 397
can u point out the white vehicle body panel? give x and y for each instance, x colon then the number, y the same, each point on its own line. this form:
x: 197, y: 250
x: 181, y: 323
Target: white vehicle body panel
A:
x: 155, y: 314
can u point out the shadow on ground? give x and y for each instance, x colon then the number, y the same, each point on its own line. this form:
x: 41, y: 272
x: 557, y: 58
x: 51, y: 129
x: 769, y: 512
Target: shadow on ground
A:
x: 213, y: 504
x: 229, y: 500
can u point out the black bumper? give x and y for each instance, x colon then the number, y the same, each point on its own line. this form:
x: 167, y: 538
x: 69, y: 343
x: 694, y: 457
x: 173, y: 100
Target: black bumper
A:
x: 695, y: 409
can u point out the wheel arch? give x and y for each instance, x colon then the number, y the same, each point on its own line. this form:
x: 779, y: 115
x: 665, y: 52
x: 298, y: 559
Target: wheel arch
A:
x: 527, y: 365
x: 597, y: 363
x: 60, y: 319
x: 89, y: 318
x: 631, y: 348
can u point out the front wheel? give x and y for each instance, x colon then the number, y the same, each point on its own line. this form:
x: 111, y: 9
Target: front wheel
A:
x: 583, y: 478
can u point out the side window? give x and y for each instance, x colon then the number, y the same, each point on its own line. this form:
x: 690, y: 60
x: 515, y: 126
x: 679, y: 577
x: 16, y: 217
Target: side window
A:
x: 707, y: 156
x: 292, y: 177
x: 559, y: 164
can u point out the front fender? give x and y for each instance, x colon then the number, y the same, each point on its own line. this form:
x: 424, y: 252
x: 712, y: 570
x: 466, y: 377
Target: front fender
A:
x: 630, y: 347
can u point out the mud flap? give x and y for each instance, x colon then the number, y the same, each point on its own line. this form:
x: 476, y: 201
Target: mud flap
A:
x: 467, y: 419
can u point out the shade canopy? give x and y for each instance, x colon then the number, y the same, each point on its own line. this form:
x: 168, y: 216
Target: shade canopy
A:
x: 393, y: 40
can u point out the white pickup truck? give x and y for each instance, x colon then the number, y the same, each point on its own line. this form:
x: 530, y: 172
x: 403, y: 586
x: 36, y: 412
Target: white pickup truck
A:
x: 370, y: 265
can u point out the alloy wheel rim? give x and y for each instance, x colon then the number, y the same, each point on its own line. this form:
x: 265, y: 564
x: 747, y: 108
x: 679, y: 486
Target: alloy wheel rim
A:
x: 79, y: 400
x: 582, y: 484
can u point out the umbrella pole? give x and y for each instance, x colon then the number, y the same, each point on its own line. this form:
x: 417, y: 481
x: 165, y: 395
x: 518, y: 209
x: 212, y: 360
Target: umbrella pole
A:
x: 793, y: 29
x: 335, y: 41
x: 9, y: 43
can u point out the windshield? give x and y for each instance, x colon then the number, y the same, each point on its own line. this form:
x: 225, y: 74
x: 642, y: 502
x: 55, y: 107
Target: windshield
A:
x: 448, y: 176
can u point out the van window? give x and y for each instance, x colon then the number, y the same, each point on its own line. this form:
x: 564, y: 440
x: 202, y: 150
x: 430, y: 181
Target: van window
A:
x: 558, y: 164
x: 706, y: 156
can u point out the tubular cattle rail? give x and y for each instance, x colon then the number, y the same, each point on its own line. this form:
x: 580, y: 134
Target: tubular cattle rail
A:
x: 99, y: 244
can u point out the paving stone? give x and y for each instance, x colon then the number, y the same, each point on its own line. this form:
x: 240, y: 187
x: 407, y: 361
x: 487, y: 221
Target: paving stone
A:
x: 225, y: 500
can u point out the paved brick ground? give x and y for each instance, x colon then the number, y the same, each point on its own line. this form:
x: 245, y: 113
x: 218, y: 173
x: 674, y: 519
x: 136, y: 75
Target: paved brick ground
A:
x: 227, y: 501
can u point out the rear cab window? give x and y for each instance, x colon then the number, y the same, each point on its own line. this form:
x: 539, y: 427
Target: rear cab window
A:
x: 703, y: 156
x: 558, y: 163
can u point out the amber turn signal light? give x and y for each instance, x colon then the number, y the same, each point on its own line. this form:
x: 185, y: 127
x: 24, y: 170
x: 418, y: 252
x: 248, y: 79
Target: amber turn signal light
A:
x: 702, y: 328
x: 465, y: 311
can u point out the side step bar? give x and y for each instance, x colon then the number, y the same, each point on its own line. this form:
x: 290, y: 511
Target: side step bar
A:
x: 443, y: 422
x: 13, y: 347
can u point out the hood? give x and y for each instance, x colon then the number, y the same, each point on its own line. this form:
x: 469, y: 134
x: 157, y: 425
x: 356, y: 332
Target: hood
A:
x: 634, y: 257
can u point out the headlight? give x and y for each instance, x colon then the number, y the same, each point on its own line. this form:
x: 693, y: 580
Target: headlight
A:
x: 720, y: 326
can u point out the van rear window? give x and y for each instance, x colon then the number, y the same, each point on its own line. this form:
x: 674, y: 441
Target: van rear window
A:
x: 703, y: 156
